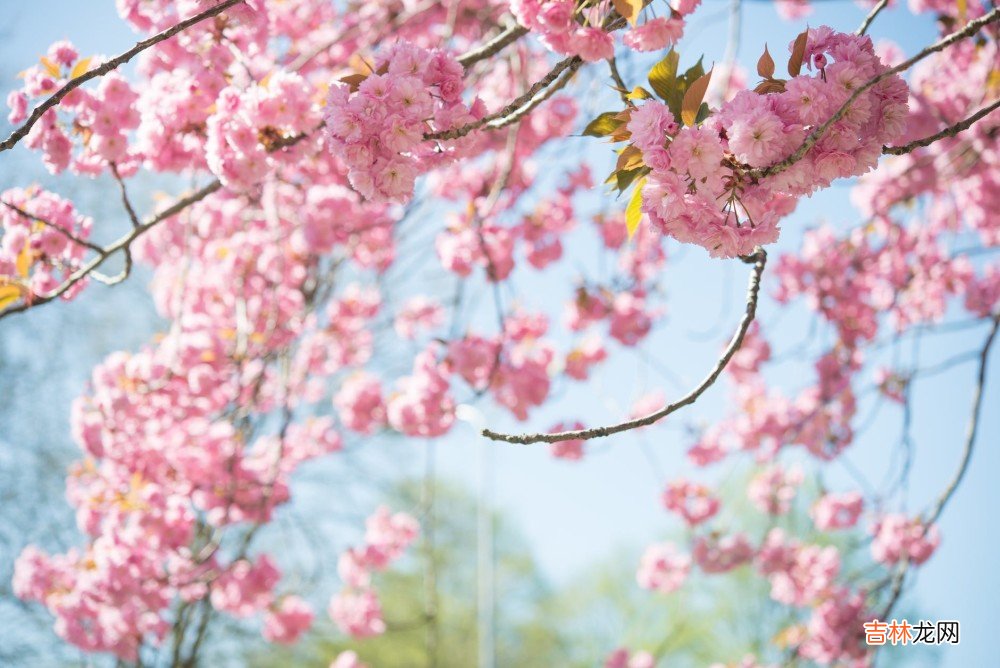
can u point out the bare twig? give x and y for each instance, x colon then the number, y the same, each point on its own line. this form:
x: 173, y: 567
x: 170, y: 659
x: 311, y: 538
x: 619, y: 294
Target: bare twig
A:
x: 970, y: 29
x: 882, y: 4
x: 949, y: 131
x: 759, y: 259
x: 102, y: 69
x: 973, y: 427
x: 537, y: 100
x: 623, y: 89
x: 58, y: 228
x: 122, y: 244
x: 455, y: 133
x: 492, y: 47
x: 126, y: 202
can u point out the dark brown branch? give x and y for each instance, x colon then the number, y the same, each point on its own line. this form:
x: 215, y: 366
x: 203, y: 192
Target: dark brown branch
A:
x: 102, y: 69
x: 759, y: 259
x: 970, y: 29
x: 949, y: 131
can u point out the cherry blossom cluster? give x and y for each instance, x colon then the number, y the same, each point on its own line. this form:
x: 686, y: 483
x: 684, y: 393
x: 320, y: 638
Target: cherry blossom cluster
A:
x: 356, y: 609
x: 41, y: 243
x: 701, y: 187
x: 579, y: 29
x: 379, y: 128
x: 88, y: 131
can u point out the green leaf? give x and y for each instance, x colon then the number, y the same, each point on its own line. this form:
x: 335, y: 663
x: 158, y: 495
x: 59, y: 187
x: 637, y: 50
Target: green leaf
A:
x: 663, y: 76
x: 639, y: 93
x: 695, y: 72
x: 703, y: 113
x: 625, y: 177
x: 603, y: 125
x: 633, y: 212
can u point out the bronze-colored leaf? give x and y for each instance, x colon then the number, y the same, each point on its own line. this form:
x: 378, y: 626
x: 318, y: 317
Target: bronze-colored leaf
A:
x: 629, y: 9
x: 629, y: 158
x: 798, y: 52
x: 693, y: 99
x: 353, y: 80
x: 765, y: 66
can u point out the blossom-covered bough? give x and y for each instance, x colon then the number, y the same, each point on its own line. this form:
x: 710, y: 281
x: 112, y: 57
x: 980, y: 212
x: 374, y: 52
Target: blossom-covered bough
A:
x: 314, y: 133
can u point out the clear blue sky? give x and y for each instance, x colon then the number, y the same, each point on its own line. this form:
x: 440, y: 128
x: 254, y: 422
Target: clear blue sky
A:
x: 574, y: 514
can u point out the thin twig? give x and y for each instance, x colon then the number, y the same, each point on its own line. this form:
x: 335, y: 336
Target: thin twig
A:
x: 949, y: 131
x: 973, y: 427
x: 122, y: 244
x: 899, y: 577
x: 623, y: 89
x: 126, y: 202
x: 102, y: 69
x: 492, y: 47
x: 970, y: 29
x: 759, y: 259
x: 535, y: 101
x: 871, y: 17
x: 58, y: 228
x: 455, y: 133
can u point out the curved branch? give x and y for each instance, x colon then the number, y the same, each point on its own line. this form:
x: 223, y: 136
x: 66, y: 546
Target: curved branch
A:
x: 871, y: 17
x: 493, y: 47
x: 973, y: 427
x: 122, y: 244
x: 949, y: 131
x: 537, y: 100
x: 58, y: 228
x: 455, y: 133
x: 102, y: 69
x: 759, y: 259
x: 970, y: 29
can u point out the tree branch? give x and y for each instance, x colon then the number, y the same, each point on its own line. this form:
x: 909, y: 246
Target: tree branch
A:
x: 759, y: 259
x: 492, y: 47
x: 973, y: 427
x: 871, y: 17
x: 455, y: 133
x: 949, y: 131
x: 102, y: 69
x: 66, y: 233
x: 122, y: 244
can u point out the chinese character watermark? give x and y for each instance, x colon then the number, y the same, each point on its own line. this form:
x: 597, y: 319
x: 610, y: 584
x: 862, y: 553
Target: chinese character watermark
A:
x: 942, y: 632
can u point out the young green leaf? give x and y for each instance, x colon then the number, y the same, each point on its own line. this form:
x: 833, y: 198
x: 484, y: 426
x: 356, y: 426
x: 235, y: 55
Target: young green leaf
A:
x: 639, y: 93
x: 603, y: 125
x: 663, y: 76
x: 693, y: 99
x: 633, y: 212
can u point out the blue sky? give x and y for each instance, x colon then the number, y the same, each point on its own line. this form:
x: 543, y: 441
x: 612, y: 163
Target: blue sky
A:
x: 576, y: 513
